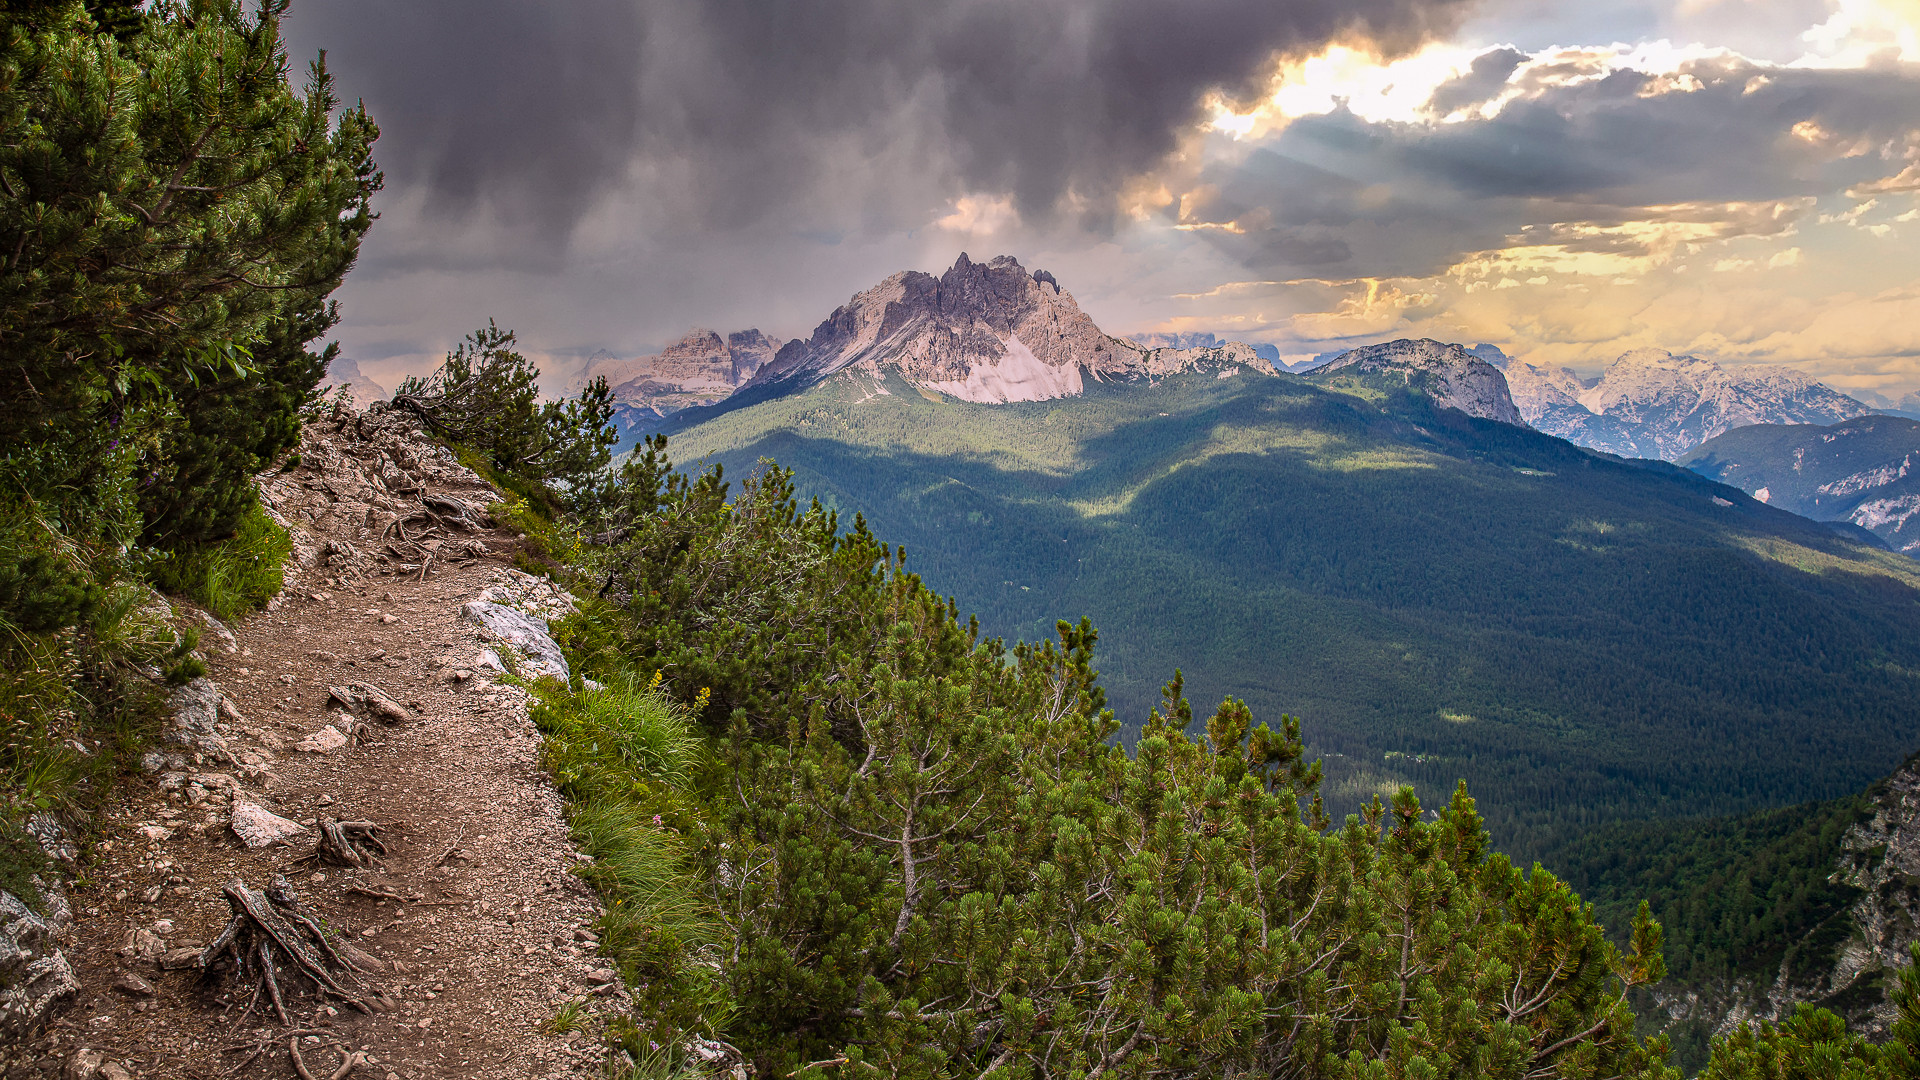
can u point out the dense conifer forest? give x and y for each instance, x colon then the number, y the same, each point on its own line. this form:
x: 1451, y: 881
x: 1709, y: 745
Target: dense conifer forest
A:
x: 1435, y: 597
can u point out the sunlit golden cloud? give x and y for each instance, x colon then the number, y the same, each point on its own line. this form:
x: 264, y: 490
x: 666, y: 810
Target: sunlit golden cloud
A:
x: 1527, y: 199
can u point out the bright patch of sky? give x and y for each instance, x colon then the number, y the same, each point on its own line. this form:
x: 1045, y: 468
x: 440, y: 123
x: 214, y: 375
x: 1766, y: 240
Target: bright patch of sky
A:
x: 1729, y: 177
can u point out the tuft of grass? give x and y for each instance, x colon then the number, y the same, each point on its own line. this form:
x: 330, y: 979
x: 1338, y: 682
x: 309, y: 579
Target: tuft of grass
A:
x: 648, y: 1060
x: 232, y: 577
x: 654, y: 912
x: 572, y: 1016
x: 624, y: 755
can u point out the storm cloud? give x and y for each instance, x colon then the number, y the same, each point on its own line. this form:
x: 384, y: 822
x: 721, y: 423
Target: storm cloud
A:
x: 607, y: 174
x: 847, y: 113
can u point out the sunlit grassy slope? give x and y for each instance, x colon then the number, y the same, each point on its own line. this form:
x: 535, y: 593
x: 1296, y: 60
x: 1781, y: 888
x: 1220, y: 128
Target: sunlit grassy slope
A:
x: 1582, y: 639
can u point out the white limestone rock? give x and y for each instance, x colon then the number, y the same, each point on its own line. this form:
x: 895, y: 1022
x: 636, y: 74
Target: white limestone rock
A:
x: 325, y: 741
x: 195, y: 725
x: 526, y: 633
x: 258, y: 827
x: 34, y: 973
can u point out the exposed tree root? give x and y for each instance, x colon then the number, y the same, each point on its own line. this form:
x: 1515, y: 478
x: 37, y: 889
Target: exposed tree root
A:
x: 366, y: 699
x: 350, y: 843
x: 351, y: 1062
x: 270, y: 932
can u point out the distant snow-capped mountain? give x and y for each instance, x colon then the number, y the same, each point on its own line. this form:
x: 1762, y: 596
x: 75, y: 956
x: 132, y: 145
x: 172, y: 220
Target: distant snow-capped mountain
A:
x: 1650, y: 403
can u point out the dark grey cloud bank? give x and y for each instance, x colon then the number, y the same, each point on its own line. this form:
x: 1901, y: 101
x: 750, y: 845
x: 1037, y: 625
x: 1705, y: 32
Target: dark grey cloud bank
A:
x: 729, y: 112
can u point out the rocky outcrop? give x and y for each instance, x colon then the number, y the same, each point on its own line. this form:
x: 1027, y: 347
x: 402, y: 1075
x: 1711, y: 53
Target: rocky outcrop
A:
x: 34, y: 973
x: 373, y: 496
x: 528, y: 634
x: 192, y: 735
x: 1451, y: 375
x: 1650, y: 403
x: 1880, y: 857
x: 699, y: 369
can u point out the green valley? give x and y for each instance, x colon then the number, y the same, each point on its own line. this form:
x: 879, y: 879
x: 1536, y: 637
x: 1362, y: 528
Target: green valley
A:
x: 1585, y: 640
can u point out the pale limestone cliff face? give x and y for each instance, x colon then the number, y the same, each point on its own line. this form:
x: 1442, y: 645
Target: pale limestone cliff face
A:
x: 984, y: 332
x: 979, y: 332
x: 1450, y: 374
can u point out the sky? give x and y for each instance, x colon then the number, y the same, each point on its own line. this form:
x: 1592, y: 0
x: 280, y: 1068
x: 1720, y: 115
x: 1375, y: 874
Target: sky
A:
x: 1737, y: 179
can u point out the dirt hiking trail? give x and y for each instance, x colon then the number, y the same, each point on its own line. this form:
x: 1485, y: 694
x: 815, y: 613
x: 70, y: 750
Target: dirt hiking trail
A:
x: 477, y: 930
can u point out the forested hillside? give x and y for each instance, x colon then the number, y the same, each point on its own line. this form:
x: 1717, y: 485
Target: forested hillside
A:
x: 1806, y: 904
x: 1584, y: 640
x: 1859, y: 472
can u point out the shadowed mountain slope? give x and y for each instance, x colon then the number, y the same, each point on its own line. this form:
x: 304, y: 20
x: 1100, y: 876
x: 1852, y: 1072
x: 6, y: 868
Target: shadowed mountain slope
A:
x: 1861, y: 472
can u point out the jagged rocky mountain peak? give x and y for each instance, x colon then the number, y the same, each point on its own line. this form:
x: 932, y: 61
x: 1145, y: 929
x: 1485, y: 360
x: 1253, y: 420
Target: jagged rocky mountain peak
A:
x: 703, y: 367
x: 984, y: 332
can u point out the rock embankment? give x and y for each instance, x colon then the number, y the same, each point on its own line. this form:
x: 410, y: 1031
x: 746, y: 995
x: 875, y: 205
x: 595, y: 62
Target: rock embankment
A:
x: 470, y: 941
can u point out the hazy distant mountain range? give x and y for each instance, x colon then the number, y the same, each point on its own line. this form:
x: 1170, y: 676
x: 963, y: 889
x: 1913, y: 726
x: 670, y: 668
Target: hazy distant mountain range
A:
x: 995, y: 333
x: 1652, y: 404
x: 344, y: 372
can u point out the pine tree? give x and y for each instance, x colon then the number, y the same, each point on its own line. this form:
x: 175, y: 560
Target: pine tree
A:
x: 484, y: 396
x: 173, y: 216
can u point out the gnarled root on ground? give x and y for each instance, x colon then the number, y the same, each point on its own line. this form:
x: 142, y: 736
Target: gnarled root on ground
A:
x: 349, y: 1062
x: 366, y: 699
x: 271, y: 932
x: 350, y: 843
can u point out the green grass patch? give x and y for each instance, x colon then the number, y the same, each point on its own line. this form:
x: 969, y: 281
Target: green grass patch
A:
x: 234, y: 576
x: 625, y: 756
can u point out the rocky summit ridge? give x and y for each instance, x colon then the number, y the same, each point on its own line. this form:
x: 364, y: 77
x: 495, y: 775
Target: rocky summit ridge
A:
x: 982, y: 332
x: 1451, y: 375
x: 994, y: 332
x: 988, y: 332
x: 699, y: 369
